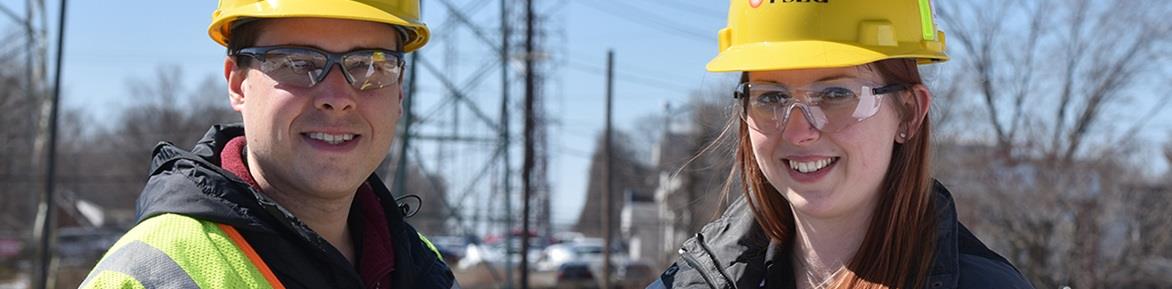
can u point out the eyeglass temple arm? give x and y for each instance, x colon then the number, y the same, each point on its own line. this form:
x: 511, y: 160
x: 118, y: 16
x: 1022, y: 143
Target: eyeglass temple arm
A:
x: 890, y: 88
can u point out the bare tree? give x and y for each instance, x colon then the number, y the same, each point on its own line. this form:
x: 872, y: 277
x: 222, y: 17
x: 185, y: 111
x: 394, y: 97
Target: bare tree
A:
x: 111, y: 168
x: 1055, y: 69
x: 1064, y: 86
x: 17, y: 114
x: 692, y: 164
x: 630, y: 174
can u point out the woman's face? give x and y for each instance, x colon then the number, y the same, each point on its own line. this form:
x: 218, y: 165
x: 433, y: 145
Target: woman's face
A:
x: 826, y: 174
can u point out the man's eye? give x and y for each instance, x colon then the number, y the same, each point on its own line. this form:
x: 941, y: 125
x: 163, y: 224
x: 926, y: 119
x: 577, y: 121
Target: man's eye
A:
x: 384, y: 66
x: 302, y: 65
x: 357, y: 65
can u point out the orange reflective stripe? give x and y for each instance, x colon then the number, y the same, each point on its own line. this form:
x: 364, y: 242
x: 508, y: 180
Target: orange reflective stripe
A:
x: 248, y: 251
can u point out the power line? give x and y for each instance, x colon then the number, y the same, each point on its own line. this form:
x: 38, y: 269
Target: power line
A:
x: 628, y: 77
x: 629, y: 67
x: 648, y: 19
x: 697, y: 10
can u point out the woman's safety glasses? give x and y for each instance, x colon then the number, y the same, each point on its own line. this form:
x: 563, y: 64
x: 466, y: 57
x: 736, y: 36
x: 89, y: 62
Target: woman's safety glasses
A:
x: 828, y: 108
x: 306, y: 67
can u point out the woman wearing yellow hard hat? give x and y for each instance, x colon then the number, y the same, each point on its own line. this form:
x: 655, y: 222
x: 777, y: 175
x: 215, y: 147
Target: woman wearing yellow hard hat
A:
x: 833, y: 153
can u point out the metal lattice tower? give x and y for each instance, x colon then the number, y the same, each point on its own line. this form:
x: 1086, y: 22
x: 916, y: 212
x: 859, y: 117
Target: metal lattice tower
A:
x: 456, y: 131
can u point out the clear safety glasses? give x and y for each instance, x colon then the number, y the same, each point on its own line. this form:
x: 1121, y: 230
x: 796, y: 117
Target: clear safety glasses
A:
x: 767, y: 106
x: 305, y: 67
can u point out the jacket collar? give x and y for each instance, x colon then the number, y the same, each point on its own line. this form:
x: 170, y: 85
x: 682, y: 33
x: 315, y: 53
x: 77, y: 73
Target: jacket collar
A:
x: 194, y: 183
x: 182, y: 182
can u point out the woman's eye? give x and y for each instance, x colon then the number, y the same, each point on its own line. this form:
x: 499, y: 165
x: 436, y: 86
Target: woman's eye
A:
x: 770, y: 98
x: 836, y: 94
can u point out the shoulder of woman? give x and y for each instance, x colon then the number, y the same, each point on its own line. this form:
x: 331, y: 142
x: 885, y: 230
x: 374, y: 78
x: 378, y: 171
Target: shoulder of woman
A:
x: 983, y: 272
x: 679, y: 275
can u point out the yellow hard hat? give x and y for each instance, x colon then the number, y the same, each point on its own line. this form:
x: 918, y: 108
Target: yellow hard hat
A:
x: 403, y: 13
x: 795, y: 34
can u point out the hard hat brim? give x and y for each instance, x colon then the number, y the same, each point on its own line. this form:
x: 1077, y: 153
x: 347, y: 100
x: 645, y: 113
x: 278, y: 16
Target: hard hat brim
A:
x: 765, y: 56
x: 219, y: 30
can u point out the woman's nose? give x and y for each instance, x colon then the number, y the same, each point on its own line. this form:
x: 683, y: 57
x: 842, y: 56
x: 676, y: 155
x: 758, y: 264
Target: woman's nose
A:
x: 798, y: 127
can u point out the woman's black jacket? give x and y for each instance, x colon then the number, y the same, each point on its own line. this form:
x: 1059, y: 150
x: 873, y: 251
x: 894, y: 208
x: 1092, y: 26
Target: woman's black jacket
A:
x: 734, y: 252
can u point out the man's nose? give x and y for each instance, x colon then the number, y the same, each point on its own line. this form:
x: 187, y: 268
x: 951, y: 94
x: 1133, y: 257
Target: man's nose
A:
x: 334, y: 92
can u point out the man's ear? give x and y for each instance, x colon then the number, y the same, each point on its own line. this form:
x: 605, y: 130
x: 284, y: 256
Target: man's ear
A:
x: 917, y: 106
x: 235, y: 77
x: 401, y: 96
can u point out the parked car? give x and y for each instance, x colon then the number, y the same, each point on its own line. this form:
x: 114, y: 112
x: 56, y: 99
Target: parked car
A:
x: 636, y: 274
x: 453, y: 248
x: 82, y: 245
x: 587, y: 250
x: 10, y: 247
x: 575, y: 274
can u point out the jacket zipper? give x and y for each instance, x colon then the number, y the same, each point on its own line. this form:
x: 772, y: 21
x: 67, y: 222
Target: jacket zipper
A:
x: 696, y: 265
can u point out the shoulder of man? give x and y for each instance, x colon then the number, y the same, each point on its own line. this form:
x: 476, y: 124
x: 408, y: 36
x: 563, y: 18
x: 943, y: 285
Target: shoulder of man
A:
x: 174, y: 251
x: 424, y: 266
x: 418, y: 263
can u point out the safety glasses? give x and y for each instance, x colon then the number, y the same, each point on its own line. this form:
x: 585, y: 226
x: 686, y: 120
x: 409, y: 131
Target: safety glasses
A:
x: 305, y: 67
x: 767, y: 106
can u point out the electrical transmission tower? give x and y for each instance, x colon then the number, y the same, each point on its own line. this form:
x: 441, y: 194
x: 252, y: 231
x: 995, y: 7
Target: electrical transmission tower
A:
x: 460, y: 134
x: 36, y: 115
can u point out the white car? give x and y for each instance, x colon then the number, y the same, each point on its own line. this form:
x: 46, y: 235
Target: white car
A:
x: 586, y: 250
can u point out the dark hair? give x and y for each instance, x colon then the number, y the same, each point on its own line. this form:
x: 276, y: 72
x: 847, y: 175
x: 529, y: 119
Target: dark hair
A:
x: 243, y: 35
x: 898, y: 247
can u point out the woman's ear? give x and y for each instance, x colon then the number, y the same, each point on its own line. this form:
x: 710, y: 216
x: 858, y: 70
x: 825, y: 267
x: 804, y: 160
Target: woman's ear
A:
x: 235, y: 79
x: 917, y: 108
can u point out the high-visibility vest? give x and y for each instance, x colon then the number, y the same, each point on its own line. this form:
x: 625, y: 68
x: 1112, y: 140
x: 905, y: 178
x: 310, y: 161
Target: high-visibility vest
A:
x: 176, y: 251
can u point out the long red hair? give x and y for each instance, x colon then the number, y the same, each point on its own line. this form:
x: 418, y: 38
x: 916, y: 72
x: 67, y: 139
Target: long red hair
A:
x: 897, y: 250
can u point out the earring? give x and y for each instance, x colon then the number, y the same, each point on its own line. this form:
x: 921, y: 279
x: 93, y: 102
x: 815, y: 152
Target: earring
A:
x: 902, y: 136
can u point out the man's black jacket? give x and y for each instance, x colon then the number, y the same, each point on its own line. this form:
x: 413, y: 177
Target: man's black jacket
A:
x: 192, y: 183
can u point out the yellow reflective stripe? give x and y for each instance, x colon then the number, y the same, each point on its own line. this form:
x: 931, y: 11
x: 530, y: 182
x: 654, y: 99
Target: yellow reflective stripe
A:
x: 110, y: 280
x: 199, y: 248
x: 431, y: 246
x: 141, y: 264
x: 926, y: 23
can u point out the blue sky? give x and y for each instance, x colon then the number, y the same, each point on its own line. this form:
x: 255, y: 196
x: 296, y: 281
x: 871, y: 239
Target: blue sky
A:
x: 659, y: 58
x: 661, y: 48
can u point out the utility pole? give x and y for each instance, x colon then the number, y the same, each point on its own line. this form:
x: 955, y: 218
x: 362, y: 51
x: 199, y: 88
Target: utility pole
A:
x: 507, y: 181
x: 37, y: 53
x: 46, y: 221
x: 527, y: 172
x: 405, y: 137
x: 607, y: 208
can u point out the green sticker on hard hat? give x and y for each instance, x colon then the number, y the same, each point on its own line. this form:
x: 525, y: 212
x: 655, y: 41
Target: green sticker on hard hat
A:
x: 926, y: 23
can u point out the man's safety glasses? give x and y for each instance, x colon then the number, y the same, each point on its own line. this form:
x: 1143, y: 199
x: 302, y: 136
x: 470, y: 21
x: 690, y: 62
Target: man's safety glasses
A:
x: 305, y: 67
x: 766, y: 106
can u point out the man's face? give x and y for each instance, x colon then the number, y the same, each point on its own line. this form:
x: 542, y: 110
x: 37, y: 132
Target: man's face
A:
x: 321, y: 141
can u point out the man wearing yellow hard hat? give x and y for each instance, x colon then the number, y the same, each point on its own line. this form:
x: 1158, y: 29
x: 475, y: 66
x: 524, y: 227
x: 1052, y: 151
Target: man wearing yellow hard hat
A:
x: 288, y: 198
x: 833, y: 147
